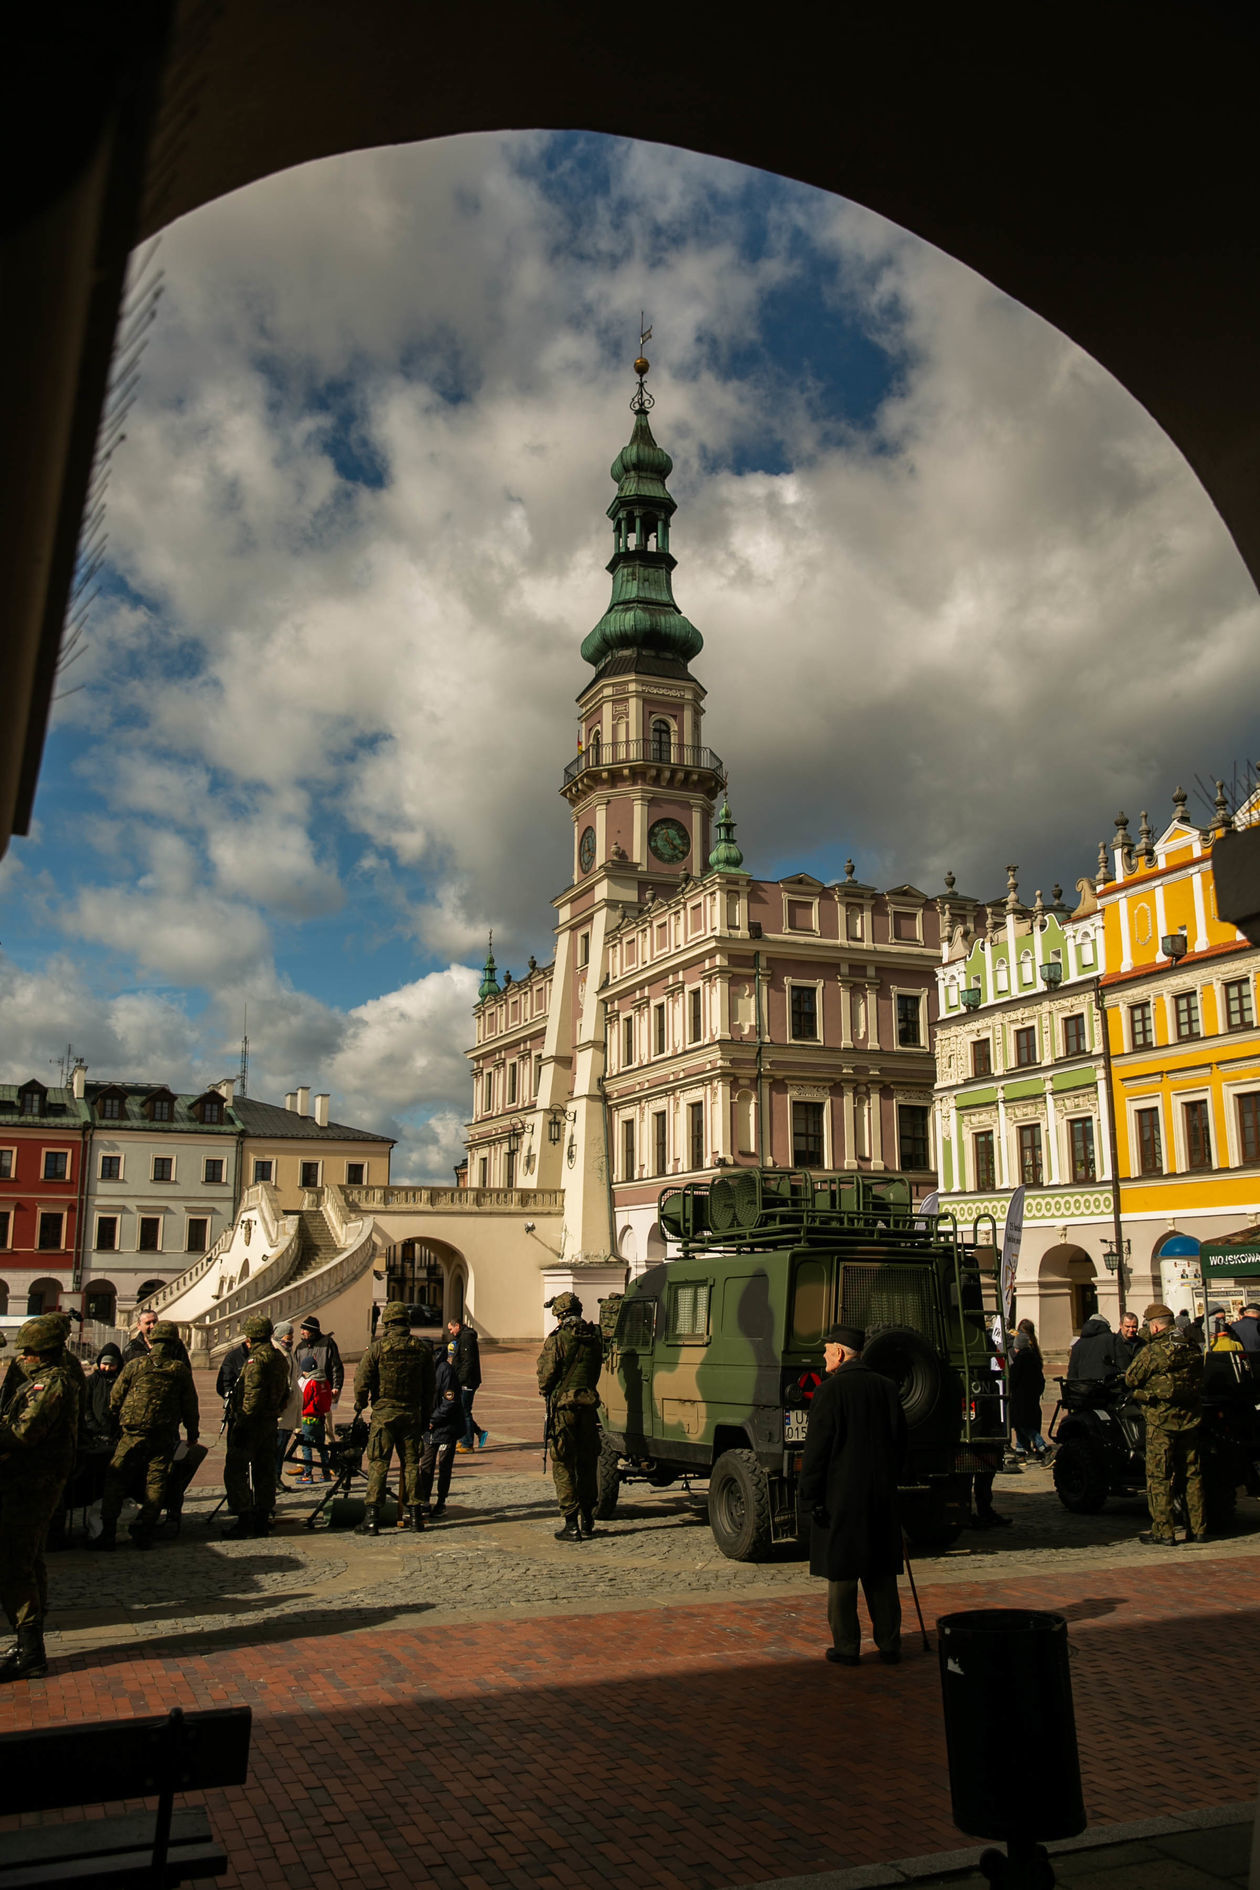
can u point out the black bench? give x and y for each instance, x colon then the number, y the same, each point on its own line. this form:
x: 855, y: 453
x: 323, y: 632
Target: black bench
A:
x: 102, y: 1762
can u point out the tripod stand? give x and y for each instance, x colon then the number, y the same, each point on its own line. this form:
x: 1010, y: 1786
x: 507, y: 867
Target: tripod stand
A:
x: 347, y: 1455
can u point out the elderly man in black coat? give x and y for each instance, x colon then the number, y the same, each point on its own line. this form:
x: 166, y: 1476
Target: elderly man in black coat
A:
x: 854, y: 1450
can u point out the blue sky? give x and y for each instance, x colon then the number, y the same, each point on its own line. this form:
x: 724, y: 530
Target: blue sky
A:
x: 960, y: 598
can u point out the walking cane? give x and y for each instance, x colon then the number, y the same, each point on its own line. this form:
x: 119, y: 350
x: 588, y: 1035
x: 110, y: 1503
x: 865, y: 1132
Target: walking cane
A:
x: 905, y: 1549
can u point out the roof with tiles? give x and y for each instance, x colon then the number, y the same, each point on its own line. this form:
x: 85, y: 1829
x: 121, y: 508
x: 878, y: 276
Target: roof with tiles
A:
x: 182, y: 1120
x: 271, y: 1119
x: 60, y: 1106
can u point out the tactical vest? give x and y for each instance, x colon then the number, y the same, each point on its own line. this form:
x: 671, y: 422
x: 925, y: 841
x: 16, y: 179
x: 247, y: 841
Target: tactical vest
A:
x: 582, y: 1365
x: 402, y: 1376
x: 153, y: 1398
x: 1178, y: 1376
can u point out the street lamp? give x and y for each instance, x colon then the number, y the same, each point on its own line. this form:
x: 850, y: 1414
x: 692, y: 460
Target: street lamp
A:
x: 1174, y: 945
x: 1052, y: 973
x: 516, y: 1129
x: 970, y: 996
x: 1112, y: 1257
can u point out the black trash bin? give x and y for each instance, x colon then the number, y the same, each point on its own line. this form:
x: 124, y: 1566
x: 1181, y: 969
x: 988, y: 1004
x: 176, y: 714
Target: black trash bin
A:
x: 1014, y: 1771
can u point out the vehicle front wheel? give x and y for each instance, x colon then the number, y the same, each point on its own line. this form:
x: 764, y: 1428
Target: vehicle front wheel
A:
x: 1080, y: 1476
x: 608, y: 1481
x: 739, y: 1506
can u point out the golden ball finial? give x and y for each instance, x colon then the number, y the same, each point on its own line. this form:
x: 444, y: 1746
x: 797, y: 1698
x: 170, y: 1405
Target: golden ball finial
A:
x: 641, y: 366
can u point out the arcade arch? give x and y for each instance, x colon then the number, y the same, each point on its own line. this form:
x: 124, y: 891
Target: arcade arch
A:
x: 100, y: 1302
x: 1067, y: 1283
x: 427, y: 1272
x: 42, y: 1296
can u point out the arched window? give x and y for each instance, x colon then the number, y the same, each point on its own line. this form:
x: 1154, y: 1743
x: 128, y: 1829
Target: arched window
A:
x: 594, y: 747
x: 4, y: 1296
x: 101, y: 1301
x: 662, y: 739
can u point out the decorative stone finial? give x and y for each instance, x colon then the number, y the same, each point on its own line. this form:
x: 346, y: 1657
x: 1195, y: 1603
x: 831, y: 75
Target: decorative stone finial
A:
x: 1224, y: 819
x: 950, y: 882
x: 1039, y: 910
x: 726, y: 856
x: 1012, y: 889
x: 1103, y: 874
x: 1180, y: 797
x: 533, y: 962
x: 850, y: 871
x: 1146, y: 840
x: 1056, y: 893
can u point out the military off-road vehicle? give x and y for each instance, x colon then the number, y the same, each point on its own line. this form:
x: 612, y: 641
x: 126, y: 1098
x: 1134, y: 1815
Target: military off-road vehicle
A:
x: 712, y: 1359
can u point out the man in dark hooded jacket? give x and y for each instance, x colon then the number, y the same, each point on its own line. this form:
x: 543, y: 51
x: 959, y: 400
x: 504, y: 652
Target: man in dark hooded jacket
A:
x: 854, y: 1449
x: 1094, y: 1354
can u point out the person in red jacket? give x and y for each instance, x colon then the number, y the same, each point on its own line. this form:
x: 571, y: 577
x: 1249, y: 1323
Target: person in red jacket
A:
x: 317, y: 1402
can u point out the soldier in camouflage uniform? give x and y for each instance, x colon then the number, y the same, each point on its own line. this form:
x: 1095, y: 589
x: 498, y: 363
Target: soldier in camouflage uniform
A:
x: 396, y: 1376
x: 258, y: 1397
x: 39, y: 1421
x: 568, y: 1373
x: 154, y: 1395
x: 1166, y: 1379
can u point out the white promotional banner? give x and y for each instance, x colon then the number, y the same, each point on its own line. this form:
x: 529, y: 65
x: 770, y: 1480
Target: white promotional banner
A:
x: 1011, y: 1237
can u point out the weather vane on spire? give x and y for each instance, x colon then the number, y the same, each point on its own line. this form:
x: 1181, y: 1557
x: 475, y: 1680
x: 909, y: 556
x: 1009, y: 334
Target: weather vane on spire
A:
x: 642, y: 399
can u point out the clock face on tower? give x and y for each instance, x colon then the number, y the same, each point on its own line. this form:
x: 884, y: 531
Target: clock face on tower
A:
x: 586, y: 850
x: 669, y: 841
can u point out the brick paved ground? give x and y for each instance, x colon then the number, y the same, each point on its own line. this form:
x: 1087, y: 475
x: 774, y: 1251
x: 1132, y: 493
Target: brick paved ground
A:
x: 705, y: 1745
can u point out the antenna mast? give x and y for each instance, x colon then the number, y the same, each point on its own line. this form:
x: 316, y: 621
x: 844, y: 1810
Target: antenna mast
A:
x: 243, y: 1077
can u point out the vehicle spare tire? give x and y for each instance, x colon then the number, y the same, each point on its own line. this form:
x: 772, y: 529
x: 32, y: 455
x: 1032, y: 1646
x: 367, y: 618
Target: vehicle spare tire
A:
x: 904, y: 1355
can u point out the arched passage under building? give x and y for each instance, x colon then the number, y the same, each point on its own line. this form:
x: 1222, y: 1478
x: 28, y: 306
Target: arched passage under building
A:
x: 42, y: 1296
x: 1067, y: 1288
x: 428, y: 1273
x: 1007, y: 146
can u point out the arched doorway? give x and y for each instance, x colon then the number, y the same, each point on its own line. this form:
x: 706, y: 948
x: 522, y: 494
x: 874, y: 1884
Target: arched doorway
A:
x: 42, y: 1296
x: 100, y: 1302
x: 426, y: 1273
x: 1067, y: 1284
x: 150, y: 1286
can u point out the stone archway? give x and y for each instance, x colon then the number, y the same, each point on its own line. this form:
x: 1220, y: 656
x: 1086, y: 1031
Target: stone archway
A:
x: 1067, y: 1295
x: 42, y: 1296
x: 424, y: 1271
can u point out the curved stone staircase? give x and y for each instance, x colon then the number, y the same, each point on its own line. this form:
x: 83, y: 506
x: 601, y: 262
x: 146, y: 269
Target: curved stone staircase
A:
x: 319, y: 1259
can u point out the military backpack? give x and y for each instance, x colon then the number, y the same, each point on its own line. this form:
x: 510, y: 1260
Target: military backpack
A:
x: 583, y: 1359
x: 153, y: 1398
x: 404, y: 1376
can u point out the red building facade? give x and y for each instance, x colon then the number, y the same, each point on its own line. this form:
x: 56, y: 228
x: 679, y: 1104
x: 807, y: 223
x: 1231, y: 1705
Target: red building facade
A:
x: 43, y: 1175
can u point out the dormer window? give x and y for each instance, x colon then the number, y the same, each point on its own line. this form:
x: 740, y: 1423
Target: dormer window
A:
x: 212, y: 1110
x: 111, y: 1108
x: 31, y: 1102
x: 161, y: 1110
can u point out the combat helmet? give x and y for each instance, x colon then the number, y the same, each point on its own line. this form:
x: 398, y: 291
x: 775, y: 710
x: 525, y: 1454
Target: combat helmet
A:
x: 563, y: 1304
x: 258, y: 1327
x: 396, y: 1313
x: 165, y: 1332
x: 44, y: 1334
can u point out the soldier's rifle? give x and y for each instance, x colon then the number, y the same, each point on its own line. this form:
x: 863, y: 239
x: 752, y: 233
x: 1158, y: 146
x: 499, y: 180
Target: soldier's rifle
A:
x: 548, y: 1428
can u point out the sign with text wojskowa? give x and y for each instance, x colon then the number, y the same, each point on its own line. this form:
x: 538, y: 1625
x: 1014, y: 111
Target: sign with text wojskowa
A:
x: 1011, y: 1238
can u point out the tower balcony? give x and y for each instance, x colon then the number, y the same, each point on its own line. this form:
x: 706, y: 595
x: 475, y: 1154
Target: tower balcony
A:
x: 667, y: 764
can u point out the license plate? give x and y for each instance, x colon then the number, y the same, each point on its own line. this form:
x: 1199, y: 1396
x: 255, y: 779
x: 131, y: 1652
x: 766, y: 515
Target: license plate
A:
x: 795, y: 1424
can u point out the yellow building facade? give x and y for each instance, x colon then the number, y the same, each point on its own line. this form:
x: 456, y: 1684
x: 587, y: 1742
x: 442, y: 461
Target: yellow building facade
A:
x: 1181, y: 994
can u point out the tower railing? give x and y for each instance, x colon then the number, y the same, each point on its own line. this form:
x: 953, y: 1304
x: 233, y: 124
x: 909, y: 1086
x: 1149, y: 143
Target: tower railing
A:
x: 667, y: 755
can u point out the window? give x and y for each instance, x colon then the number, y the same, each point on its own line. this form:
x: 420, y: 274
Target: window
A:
x: 1141, y: 1025
x: 1238, y: 1007
x: 483, y: 1172
x: 150, y: 1234
x: 804, y: 1001
x: 111, y: 1108
x: 1081, y: 1145
x: 161, y: 1111
x: 30, y: 1104
x: 111, y: 1167
x: 659, y: 1027
x: 1025, y: 967
x: 1074, y: 1035
x: 696, y: 1004
x: 905, y: 926
x: 49, y: 1235
x: 56, y: 1164
x: 1249, y: 1126
x: 912, y: 1135
x: 212, y: 1110
x: 986, y: 1169
x: 800, y: 915
x: 262, y: 1171
x: 807, y: 1135
x: 1194, y: 1116
x: 982, y: 1056
x: 594, y: 747
x: 689, y: 1311
x: 909, y: 1020
x: 627, y: 1149
x: 198, y: 1228
x: 1030, y: 1154
x: 309, y: 1175
x: 4, y: 1227
x: 1186, y: 1008
x: 163, y: 1168
x: 695, y: 1134
x: 354, y: 1174
x: 511, y: 1080
x: 853, y: 925
x: 584, y: 948
x: 107, y: 1233
x: 212, y: 1171
x: 6, y: 1164
x: 537, y: 1074
x: 662, y: 740
x: 659, y: 1139
x: 1026, y: 1045
x: 1149, y: 1144
x: 627, y: 1040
